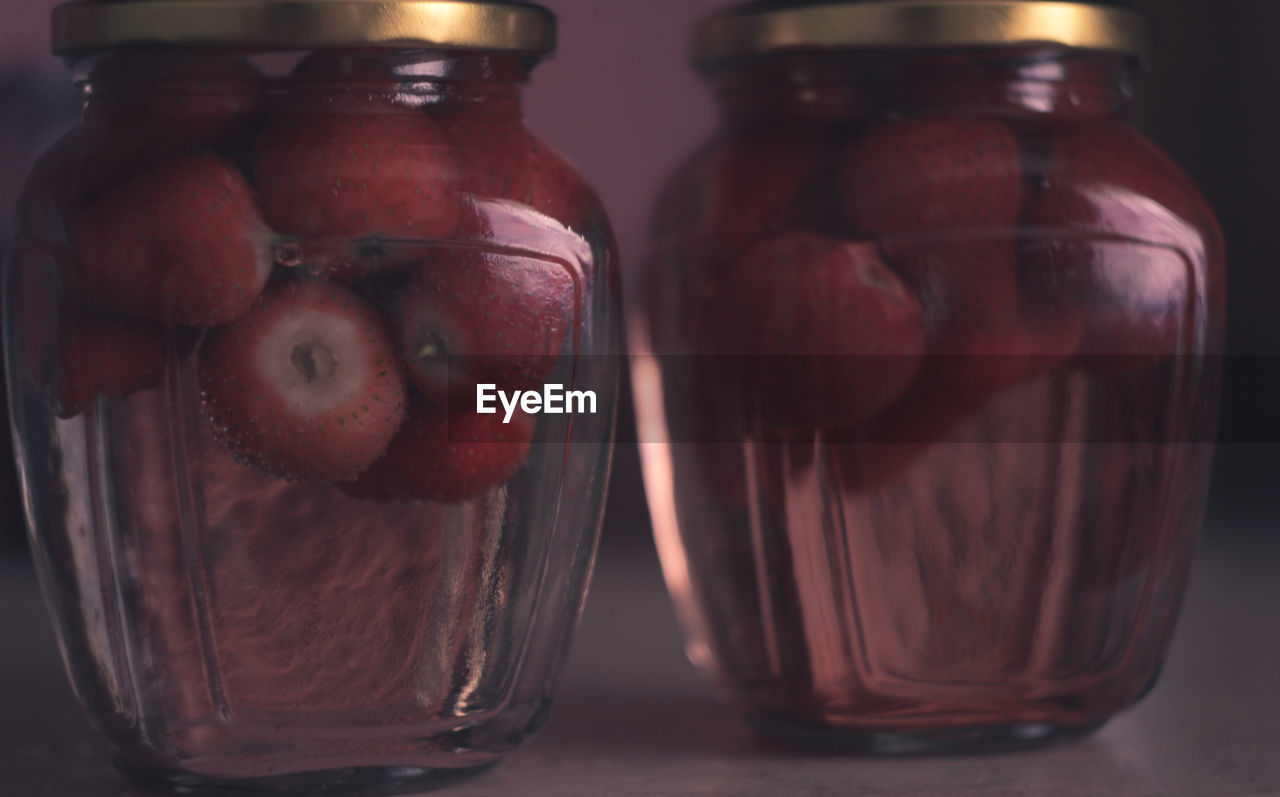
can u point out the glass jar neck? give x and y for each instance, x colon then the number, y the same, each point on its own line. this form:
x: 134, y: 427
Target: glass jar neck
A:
x: 847, y: 86
x: 492, y: 81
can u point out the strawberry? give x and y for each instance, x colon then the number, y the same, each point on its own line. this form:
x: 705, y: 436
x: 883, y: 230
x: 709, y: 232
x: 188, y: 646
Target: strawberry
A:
x: 449, y: 455
x: 733, y: 193
x: 306, y: 385
x: 370, y: 172
x: 944, y: 193
x: 1008, y: 81
x: 1134, y: 299
x: 356, y: 80
x: 101, y: 355
x: 931, y: 174
x: 173, y: 93
x: 827, y: 334
x: 1106, y: 189
x: 487, y: 317
x: 151, y: 106
x: 498, y: 158
x: 879, y: 451
x: 982, y: 337
x: 743, y: 189
x: 181, y: 244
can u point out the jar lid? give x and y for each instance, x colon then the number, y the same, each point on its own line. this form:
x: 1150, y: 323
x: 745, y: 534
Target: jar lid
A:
x: 760, y: 27
x: 303, y: 24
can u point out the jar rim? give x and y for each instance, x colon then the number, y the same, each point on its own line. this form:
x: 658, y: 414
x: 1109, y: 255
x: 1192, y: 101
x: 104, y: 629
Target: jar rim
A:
x: 492, y: 25
x: 756, y: 28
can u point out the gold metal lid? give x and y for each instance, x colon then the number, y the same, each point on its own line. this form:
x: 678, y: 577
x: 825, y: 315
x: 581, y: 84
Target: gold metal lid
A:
x: 302, y: 24
x: 754, y: 28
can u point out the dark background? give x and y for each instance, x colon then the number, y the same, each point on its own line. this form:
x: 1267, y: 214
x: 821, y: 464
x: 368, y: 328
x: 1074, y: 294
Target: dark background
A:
x: 621, y: 101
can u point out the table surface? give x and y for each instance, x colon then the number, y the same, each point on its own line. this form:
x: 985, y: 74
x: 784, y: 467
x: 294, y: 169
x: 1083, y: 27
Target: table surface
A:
x: 633, y: 718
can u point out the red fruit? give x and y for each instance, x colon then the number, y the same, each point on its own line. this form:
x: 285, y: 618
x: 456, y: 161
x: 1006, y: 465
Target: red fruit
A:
x: 358, y: 80
x: 100, y: 355
x: 448, y: 455
x: 1105, y: 177
x: 735, y: 192
x: 982, y: 337
x: 306, y: 385
x: 826, y: 334
x: 151, y: 106
x: 1135, y: 300
x: 914, y: 177
x: 956, y: 381
x: 1107, y: 189
x: 878, y: 452
x: 183, y: 244
x: 965, y: 284
x: 371, y: 173
x: 498, y: 158
x: 743, y: 189
x: 1021, y: 81
x: 173, y: 93
x: 469, y: 317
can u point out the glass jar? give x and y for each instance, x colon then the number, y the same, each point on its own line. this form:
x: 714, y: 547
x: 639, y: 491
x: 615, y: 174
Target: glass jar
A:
x: 255, y: 300
x: 925, y: 371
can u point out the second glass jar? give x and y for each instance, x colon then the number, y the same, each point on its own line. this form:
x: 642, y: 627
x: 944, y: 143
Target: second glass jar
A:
x: 926, y: 383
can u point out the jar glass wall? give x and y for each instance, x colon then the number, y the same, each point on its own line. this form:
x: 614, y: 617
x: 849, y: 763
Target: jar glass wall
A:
x: 926, y: 373
x: 249, y: 309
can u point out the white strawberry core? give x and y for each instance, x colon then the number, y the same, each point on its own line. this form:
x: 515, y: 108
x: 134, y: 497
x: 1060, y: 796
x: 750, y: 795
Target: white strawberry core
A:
x: 315, y: 361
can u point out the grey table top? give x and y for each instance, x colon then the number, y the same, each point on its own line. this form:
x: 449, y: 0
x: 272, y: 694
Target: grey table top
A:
x: 633, y: 718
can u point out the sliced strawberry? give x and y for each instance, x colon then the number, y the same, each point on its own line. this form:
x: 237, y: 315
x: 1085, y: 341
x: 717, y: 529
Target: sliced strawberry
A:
x: 470, y: 317
x: 923, y: 175
x: 101, y: 355
x: 1107, y: 190
x: 449, y: 455
x: 307, y: 385
x: 182, y: 244
x: 823, y: 332
x: 498, y: 158
x: 357, y: 177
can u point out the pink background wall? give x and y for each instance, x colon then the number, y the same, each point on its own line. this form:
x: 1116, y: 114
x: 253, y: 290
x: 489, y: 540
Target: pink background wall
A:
x: 621, y: 100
